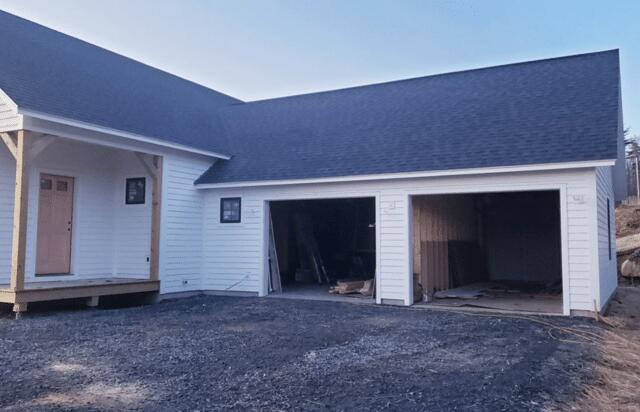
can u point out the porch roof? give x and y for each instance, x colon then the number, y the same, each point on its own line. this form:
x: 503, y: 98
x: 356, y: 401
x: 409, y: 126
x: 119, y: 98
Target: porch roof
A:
x: 78, y: 81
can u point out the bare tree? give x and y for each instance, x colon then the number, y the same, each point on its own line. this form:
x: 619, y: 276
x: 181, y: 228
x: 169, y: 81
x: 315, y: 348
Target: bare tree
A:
x: 632, y: 151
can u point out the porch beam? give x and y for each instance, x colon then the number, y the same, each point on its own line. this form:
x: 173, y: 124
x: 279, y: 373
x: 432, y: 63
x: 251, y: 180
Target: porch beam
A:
x: 156, y: 207
x: 10, y: 143
x: 19, y: 245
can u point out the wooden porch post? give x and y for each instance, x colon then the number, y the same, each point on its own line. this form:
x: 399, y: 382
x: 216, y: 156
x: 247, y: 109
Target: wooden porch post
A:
x: 20, y: 211
x: 156, y: 206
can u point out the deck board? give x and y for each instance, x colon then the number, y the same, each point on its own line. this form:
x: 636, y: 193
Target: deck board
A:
x: 77, y: 288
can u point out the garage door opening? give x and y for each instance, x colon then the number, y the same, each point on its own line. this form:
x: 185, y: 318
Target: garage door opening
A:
x: 491, y: 250
x: 323, y: 248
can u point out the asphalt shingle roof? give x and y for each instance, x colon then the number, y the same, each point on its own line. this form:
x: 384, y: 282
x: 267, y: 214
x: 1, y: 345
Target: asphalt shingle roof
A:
x: 49, y: 72
x: 547, y: 111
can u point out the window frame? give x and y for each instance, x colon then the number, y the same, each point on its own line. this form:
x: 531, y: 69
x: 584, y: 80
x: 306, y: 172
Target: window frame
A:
x: 144, y: 191
x: 229, y: 199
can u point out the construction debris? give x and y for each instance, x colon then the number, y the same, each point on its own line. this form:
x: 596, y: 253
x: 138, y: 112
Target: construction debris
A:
x: 368, y: 288
x: 345, y: 287
x: 474, y: 291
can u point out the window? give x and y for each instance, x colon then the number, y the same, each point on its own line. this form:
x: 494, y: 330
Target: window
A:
x: 609, y: 225
x: 46, y: 184
x: 230, y: 210
x: 135, y: 191
x: 62, y: 186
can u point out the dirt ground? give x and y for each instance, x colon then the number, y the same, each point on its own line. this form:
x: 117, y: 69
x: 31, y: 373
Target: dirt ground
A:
x: 627, y: 220
x: 616, y: 378
x: 220, y: 353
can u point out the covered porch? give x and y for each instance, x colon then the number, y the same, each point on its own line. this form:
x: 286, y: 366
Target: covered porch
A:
x: 78, y: 219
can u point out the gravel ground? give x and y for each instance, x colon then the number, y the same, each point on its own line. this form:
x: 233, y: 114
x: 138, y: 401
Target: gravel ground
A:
x: 218, y: 353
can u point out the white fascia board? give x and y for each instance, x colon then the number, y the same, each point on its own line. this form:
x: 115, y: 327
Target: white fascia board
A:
x: 413, y: 175
x: 119, y: 133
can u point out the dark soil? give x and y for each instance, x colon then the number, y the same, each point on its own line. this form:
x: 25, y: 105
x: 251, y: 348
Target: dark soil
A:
x: 218, y: 353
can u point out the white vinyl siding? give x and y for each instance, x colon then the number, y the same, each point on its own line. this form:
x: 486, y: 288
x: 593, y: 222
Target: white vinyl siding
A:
x: 234, y: 253
x: 133, y: 222
x: 182, y: 220
x: 110, y: 238
x: 608, y: 271
x: 7, y: 185
x: 9, y: 118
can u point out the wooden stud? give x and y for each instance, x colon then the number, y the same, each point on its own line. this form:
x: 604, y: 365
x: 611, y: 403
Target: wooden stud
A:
x: 156, y: 206
x: 10, y: 143
x: 19, y: 246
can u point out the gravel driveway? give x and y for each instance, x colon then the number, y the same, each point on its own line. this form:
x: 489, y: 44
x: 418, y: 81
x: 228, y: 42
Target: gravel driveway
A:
x: 218, y: 353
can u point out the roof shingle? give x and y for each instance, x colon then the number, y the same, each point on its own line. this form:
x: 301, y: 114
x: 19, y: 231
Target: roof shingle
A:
x: 49, y: 72
x: 547, y: 111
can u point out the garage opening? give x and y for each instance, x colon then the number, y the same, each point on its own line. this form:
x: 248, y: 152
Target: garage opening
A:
x: 323, y: 248
x: 491, y: 250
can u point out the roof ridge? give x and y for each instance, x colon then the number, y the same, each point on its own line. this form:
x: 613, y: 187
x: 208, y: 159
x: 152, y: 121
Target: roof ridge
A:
x: 131, y: 59
x: 455, y: 72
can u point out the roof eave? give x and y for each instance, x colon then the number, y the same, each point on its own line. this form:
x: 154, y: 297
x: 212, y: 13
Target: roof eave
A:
x: 413, y: 175
x: 115, y: 132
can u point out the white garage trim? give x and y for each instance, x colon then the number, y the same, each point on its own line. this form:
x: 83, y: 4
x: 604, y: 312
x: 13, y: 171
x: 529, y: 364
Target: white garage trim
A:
x: 490, y: 188
x: 412, y: 175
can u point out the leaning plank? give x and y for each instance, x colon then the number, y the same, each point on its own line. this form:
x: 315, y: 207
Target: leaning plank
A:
x: 20, y: 212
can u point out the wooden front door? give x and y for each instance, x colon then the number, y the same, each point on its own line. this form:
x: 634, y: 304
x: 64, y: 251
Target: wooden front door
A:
x: 55, y: 217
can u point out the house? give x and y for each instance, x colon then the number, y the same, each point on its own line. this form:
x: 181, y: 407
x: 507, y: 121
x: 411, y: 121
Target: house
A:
x: 117, y: 178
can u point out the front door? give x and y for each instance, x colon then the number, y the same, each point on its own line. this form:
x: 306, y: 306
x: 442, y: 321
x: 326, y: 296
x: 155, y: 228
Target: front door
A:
x: 55, y: 217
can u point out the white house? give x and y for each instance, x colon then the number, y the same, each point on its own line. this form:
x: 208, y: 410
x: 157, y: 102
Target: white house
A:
x: 116, y: 177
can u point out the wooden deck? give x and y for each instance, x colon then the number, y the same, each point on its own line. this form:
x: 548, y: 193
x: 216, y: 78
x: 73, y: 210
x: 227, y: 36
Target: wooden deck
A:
x: 72, y: 289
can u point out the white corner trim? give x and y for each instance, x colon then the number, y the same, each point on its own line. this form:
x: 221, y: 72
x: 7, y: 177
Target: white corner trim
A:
x: 411, y: 175
x: 120, y: 133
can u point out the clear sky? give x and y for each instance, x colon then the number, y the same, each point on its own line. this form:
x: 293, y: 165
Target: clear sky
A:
x: 266, y: 48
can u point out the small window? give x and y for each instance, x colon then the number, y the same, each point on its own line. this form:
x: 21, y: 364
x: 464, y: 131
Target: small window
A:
x: 230, y: 210
x: 62, y: 186
x: 135, y: 191
x: 609, y: 225
x: 46, y: 184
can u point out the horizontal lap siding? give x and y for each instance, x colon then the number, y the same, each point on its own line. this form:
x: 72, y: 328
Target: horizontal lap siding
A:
x: 93, y: 209
x: 182, y: 220
x: 581, y: 271
x: 233, y: 251
x: 9, y: 118
x: 133, y: 222
x: 234, y: 259
x: 608, y: 276
x: 394, y: 244
x: 7, y: 184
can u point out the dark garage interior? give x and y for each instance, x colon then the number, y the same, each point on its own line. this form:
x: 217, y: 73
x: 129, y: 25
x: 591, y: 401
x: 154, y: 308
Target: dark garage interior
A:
x: 323, y: 246
x: 492, y: 250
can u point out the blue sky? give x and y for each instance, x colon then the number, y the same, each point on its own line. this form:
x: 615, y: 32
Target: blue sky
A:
x: 259, y: 49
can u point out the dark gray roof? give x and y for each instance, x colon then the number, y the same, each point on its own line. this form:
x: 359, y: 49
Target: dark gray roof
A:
x: 547, y: 111
x: 47, y: 71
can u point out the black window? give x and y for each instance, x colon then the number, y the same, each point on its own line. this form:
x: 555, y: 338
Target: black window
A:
x: 230, y: 210
x: 135, y: 191
x: 609, y: 225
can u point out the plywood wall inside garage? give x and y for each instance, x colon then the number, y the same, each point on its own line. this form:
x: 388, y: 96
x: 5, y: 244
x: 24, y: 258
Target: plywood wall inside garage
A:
x: 437, y: 219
